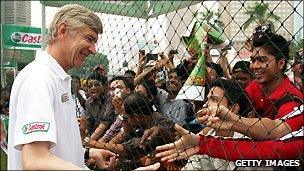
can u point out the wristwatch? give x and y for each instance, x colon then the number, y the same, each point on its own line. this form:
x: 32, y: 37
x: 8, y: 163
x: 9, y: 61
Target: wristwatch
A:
x: 87, y: 153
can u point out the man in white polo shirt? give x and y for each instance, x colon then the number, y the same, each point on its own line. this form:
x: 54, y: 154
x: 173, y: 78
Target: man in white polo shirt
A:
x: 43, y: 130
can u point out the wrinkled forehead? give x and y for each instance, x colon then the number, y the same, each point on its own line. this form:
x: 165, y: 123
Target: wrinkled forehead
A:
x: 86, y: 31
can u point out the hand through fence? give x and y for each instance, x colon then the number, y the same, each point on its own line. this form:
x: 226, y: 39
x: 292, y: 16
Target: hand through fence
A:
x: 183, y: 148
x: 217, y: 116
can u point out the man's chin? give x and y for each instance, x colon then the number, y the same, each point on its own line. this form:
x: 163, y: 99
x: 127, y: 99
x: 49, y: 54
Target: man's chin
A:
x: 259, y: 81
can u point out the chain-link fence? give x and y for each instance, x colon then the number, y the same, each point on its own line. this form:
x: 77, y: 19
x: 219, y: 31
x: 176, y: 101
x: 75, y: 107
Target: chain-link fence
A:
x: 218, y: 68
x: 230, y: 72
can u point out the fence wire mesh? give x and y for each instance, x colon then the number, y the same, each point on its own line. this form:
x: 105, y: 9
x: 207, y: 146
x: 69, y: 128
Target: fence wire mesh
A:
x: 218, y: 69
x: 230, y: 73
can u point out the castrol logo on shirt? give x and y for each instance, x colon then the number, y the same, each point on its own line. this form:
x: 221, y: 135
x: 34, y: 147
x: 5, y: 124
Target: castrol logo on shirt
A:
x: 26, y: 38
x: 36, y: 127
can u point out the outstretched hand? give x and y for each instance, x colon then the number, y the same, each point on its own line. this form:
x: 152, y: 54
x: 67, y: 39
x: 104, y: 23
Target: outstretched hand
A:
x: 149, y: 134
x: 105, y: 159
x: 150, y: 167
x: 217, y: 117
x: 183, y: 148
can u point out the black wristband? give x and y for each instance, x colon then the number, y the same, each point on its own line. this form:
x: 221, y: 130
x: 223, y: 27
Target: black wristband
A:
x: 87, y: 153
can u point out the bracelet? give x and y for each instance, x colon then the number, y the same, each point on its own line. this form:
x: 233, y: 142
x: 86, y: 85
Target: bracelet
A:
x: 87, y: 153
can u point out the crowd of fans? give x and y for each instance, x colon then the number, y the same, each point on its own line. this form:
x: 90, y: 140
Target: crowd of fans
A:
x: 254, y: 104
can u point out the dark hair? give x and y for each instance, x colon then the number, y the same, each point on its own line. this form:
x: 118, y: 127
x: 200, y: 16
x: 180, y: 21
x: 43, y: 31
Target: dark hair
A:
x: 182, y: 71
x: 218, y: 69
x: 274, y: 44
x: 97, y: 76
x: 150, y: 86
x: 128, y: 84
x: 130, y: 72
x: 234, y: 93
x: 244, y: 66
x: 137, y: 103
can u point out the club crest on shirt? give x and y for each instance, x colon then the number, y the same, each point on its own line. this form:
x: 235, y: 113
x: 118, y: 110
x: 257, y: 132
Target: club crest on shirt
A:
x: 64, y: 97
x: 36, y: 127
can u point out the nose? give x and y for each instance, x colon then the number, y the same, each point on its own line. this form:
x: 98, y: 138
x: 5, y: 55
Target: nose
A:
x: 92, y: 48
x: 255, y: 65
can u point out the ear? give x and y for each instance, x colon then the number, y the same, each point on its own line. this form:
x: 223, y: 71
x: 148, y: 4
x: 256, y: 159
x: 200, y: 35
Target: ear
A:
x: 235, y: 108
x: 62, y: 30
x: 281, y: 63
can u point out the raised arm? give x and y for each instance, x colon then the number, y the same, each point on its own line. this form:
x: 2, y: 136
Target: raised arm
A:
x: 219, y: 117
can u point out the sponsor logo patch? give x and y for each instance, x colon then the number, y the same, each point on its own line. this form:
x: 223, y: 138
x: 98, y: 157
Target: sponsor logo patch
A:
x: 64, y: 97
x: 36, y: 127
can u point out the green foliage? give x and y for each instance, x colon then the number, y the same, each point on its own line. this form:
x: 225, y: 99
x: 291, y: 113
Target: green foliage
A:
x: 211, y: 18
x: 295, y: 46
x: 261, y: 15
x: 90, y: 63
x: 3, y: 160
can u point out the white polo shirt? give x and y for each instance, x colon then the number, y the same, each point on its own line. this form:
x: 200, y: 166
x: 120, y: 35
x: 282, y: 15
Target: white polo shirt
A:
x: 42, y: 109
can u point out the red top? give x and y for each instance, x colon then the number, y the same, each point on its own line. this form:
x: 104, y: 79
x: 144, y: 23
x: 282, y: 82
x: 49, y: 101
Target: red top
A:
x: 289, y: 146
x: 237, y: 149
x: 265, y: 103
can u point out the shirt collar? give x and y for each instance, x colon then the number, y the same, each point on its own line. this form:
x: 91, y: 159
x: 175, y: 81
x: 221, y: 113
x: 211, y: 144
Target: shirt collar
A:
x: 45, y: 58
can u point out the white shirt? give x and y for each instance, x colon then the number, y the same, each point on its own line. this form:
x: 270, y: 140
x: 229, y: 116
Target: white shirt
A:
x: 41, y: 108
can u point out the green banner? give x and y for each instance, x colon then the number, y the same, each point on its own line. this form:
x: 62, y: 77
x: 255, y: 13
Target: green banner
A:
x: 21, y: 37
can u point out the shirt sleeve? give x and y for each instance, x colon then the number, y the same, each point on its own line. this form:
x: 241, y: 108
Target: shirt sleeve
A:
x: 236, y: 149
x: 295, y: 119
x: 35, y: 119
x: 113, y: 130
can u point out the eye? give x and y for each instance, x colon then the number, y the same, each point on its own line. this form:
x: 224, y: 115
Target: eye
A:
x: 264, y: 60
x: 89, y: 39
x: 252, y: 59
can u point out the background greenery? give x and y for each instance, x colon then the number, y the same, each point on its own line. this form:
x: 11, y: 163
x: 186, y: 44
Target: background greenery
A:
x: 90, y: 63
x: 3, y: 160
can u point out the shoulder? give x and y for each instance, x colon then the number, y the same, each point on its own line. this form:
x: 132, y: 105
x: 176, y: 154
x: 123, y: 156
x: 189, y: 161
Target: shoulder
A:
x: 252, y: 88
x: 34, y: 72
x: 292, y: 89
x: 34, y: 77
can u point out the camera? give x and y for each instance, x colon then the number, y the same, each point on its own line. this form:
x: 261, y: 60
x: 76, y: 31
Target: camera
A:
x: 263, y: 29
x: 117, y: 92
x: 150, y: 56
x: 173, y: 52
x: 227, y: 47
x: 142, y: 52
x: 300, y: 57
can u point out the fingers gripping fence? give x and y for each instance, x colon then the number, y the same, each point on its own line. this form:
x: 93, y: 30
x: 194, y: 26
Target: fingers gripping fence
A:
x: 221, y: 69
